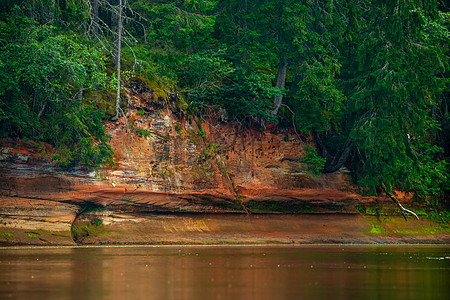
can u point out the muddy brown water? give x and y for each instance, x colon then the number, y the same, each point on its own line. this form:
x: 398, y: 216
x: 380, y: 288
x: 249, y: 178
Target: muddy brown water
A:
x: 226, y: 272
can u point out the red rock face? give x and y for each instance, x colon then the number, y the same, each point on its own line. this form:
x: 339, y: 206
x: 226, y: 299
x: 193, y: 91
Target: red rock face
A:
x: 169, y: 163
x: 165, y: 160
x: 210, y: 156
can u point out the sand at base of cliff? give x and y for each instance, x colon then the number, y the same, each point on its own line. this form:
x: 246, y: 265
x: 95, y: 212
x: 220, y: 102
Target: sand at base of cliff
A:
x: 109, y: 228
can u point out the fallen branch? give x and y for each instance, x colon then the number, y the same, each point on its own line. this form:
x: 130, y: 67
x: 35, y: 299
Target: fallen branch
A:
x: 402, y: 209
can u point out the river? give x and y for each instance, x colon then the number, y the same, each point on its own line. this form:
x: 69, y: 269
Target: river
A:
x: 226, y: 272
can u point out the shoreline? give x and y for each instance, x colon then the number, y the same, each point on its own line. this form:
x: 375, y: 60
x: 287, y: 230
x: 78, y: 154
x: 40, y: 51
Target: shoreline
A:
x: 114, y: 228
x: 223, y: 246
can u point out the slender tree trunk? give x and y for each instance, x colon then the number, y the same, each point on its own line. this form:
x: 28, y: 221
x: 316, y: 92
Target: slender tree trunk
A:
x: 145, y: 36
x: 95, y: 19
x: 119, y: 49
x: 281, y: 81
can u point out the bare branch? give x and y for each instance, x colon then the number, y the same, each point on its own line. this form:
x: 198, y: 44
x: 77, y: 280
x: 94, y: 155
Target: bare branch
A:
x: 293, y: 121
x: 402, y: 209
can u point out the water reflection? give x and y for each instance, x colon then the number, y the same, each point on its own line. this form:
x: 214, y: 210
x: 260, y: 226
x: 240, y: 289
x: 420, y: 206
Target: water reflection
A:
x: 307, y: 272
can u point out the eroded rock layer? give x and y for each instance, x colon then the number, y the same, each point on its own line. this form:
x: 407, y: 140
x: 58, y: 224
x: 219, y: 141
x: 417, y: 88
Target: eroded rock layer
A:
x: 166, y: 163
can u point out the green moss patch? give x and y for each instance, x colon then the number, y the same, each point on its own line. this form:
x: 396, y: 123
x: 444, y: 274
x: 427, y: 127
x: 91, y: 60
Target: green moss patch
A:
x: 6, y: 234
x: 398, y: 226
x: 378, y: 229
x: 32, y: 234
x: 85, y: 228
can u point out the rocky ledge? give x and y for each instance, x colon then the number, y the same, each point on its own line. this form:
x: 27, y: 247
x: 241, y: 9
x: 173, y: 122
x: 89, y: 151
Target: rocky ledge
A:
x: 42, y: 204
x: 190, y: 181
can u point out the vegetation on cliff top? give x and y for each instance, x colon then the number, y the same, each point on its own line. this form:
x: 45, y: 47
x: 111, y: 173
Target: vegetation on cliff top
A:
x: 367, y: 79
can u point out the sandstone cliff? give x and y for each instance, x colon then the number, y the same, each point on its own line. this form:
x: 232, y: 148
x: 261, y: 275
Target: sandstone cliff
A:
x: 167, y: 163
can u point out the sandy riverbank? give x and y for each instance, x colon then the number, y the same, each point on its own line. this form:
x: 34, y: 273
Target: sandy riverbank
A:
x: 115, y: 228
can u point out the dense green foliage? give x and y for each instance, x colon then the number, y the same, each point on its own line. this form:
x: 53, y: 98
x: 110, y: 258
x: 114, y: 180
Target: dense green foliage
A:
x: 367, y: 79
x: 212, y: 81
x: 42, y: 71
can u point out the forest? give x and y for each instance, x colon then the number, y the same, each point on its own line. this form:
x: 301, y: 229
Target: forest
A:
x: 367, y: 79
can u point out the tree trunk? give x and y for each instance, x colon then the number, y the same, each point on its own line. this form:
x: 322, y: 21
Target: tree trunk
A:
x: 281, y: 81
x: 95, y: 19
x: 334, y: 161
x: 342, y: 158
x: 119, y: 49
x: 320, y: 144
x: 145, y: 36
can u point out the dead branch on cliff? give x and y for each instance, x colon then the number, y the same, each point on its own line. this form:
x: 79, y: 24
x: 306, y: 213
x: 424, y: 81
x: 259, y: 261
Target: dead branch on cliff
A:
x: 293, y: 124
x: 402, y: 209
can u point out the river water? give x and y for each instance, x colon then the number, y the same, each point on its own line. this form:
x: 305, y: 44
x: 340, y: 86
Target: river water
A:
x: 226, y: 272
